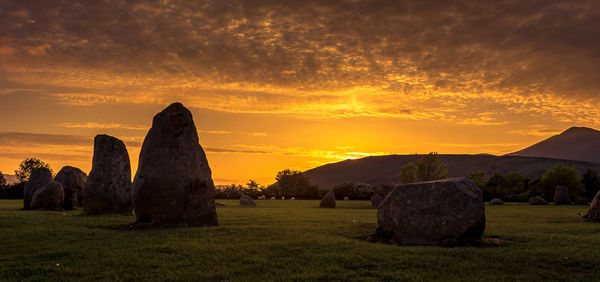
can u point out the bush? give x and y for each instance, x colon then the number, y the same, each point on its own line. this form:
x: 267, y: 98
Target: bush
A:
x: 353, y: 190
x: 14, y: 191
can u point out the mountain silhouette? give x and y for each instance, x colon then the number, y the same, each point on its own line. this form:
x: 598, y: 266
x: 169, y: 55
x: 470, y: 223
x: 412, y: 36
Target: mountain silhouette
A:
x: 378, y: 170
x: 575, y: 143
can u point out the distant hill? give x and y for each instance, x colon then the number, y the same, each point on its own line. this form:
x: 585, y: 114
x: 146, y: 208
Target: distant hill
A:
x: 575, y: 143
x: 10, y: 179
x: 378, y: 170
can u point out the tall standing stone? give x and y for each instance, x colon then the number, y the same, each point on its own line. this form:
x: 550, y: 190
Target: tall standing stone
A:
x: 561, y: 196
x: 328, y: 200
x: 594, y: 210
x: 38, y: 178
x: 173, y: 184
x: 443, y: 212
x: 49, y: 197
x: 73, y: 182
x: 108, y: 187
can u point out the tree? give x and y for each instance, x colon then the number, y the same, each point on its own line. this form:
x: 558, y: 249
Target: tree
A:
x: 591, y: 183
x: 429, y: 167
x: 2, y: 180
x: 252, y: 184
x: 27, y: 166
x: 479, y: 178
x: 561, y: 175
x: 292, y: 183
x: 408, y: 173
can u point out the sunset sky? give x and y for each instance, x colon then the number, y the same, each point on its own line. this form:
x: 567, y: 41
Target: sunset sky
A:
x: 295, y: 84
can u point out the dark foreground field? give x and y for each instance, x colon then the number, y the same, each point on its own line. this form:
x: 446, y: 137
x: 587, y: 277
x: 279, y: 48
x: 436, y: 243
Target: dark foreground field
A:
x: 291, y: 240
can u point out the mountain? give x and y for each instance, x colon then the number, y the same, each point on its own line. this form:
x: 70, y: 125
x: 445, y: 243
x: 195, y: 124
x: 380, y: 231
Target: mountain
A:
x: 378, y: 170
x: 575, y: 143
x: 10, y: 179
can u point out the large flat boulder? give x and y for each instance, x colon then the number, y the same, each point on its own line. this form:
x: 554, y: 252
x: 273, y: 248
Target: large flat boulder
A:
x: 443, y: 212
x: 328, y: 200
x: 108, y: 187
x: 38, y: 178
x: 73, y: 182
x: 49, y: 197
x: 173, y: 184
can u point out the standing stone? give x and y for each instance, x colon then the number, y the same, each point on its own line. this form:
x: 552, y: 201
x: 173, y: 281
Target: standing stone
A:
x: 49, y: 197
x: 496, y: 201
x: 346, y: 199
x: 328, y: 200
x: 219, y: 204
x: 245, y: 200
x: 38, y: 178
x: 594, y: 210
x: 561, y: 196
x: 537, y: 200
x: 173, y: 184
x: 376, y: 199
x: 108, y: 187
x: 262, y: 197
x: 443, y: 212
x: 73, y: 182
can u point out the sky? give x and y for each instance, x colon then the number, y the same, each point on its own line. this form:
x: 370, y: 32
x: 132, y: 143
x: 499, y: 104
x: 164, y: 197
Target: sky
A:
x: 295, y: 84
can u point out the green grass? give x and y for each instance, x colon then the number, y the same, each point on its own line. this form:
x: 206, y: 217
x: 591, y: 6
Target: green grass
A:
x: 291, y: 240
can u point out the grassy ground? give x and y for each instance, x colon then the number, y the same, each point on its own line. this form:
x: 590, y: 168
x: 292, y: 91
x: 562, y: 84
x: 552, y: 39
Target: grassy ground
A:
x: 291, y: 240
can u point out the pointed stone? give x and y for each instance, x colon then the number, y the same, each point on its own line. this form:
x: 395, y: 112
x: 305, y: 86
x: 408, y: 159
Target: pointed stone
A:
x: 108, y: 187
x: 38, y: 178
x: 328, y: 200
x: 173, y: 184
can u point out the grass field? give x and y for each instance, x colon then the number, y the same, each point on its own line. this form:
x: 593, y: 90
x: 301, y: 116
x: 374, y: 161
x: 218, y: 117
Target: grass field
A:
x: 291, y: 240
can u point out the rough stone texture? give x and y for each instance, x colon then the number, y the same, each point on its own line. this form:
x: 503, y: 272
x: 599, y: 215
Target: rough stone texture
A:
x: 49, y: 197
x: 561, y: 196
x: 39, y: 178
x: 496, y: 201
x: 245, y: 200
x: 443, y: 212
x: 376, y: 199
x: 537, y: 200
x: 328, y: 200
x: 594, y: 210
x: 173, y: 184
x: 108, y: 187
x: 73, y: 182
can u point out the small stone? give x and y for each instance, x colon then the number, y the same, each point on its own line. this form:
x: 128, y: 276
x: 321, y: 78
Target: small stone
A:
x: 49, y: 197
x: 328, y: 200
x: 245, y: 200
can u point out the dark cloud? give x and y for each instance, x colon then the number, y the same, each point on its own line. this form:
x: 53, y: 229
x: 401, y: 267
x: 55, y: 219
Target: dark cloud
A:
x: 506, y: 45
x: 227, y: 150
x: 24, y: 139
